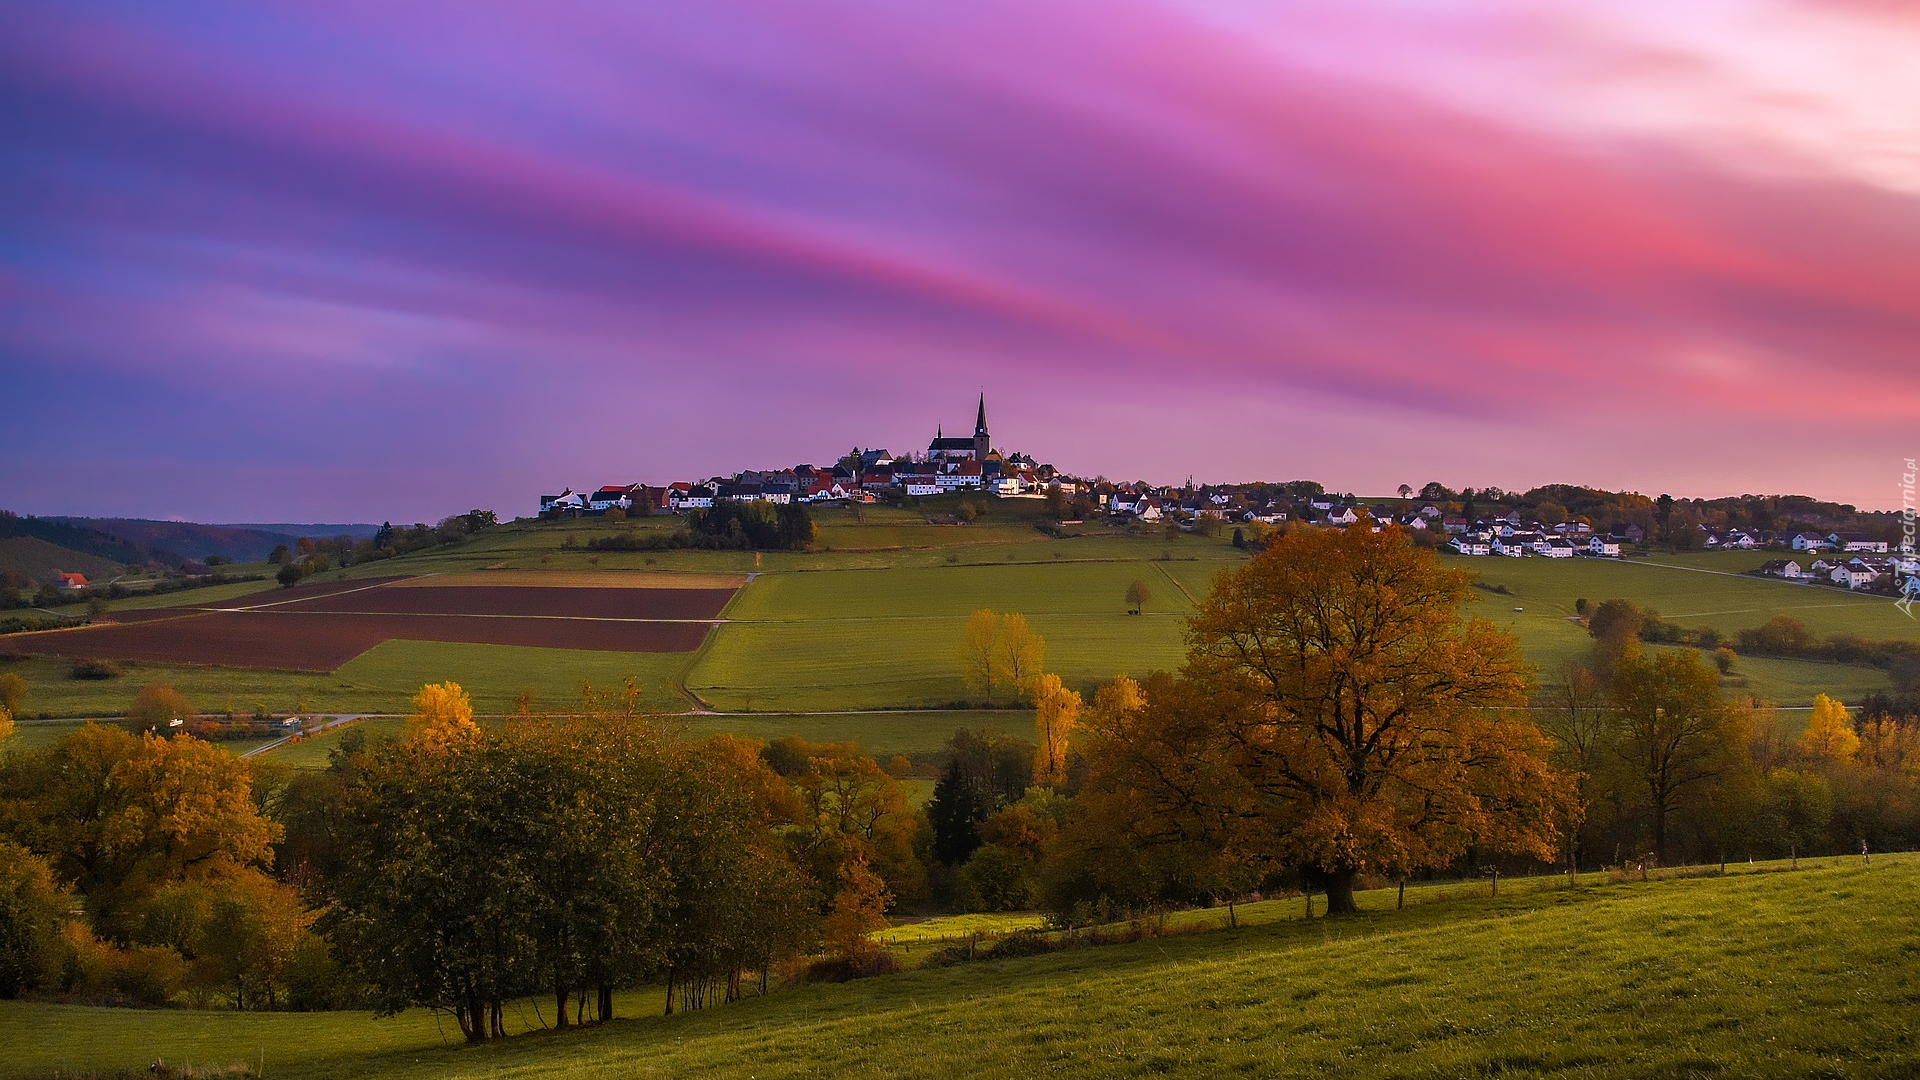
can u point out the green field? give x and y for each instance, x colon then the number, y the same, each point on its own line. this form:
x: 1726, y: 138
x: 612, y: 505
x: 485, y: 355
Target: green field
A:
x: 1773, y: 973
x: 382, y: 679
x: 1696, y: 590
x: 873, y: 619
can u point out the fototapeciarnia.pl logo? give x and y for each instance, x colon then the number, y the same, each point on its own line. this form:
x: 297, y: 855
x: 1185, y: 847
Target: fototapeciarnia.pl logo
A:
x: 1904, y: 567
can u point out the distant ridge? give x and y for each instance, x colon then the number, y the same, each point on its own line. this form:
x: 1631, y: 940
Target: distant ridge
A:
x: 358, y: 530
x: 86, y: 538
x: 174, y: 542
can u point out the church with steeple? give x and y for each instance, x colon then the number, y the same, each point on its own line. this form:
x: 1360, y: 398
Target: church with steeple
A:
x: 957, y: 449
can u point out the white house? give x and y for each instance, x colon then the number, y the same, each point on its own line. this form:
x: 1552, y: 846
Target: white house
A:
x: 699, y: 497
x: 1557, y: 548
x: 612, y: 497
x: 1853, y: 577
x: 1605, y: 546
x: 1809, y: 542
x: 1510, y: 546
x: 1471, y: 545
x: 1857, y: 542
x: 1788, y: 569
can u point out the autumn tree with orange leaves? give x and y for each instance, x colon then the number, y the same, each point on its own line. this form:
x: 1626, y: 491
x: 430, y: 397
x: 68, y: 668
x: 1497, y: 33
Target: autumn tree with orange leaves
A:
x: 1338, y: 715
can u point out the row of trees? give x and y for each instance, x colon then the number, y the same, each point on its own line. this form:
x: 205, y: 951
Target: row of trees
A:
x: 566, y: 856
x: 1669, y: 768
x: 1339, y: 719
x: 727, y: 525
x: 310, y: 555
x: 164, y: 845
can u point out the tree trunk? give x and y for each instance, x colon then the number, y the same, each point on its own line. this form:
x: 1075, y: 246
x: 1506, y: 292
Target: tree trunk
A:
x: 562, y: 997
x: 606, y: 1003
x: 1339, y: 884
x: 473, y: 1019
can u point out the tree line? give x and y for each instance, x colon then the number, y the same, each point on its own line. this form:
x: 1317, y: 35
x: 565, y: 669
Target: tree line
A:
x: 1672, y: 768
x: 311, y: 555
x: 727, y: 525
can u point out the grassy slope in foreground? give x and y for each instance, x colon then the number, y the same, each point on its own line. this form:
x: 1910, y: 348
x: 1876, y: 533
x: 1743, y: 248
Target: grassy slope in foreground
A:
x: 1814, y: 973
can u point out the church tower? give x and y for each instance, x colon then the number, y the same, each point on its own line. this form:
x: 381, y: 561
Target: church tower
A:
x: 980, y: 446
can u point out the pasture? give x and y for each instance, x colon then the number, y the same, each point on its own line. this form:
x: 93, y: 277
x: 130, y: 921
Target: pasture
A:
x: 870, y: 620
x: 1695, y: 590
x: 1767, y: 972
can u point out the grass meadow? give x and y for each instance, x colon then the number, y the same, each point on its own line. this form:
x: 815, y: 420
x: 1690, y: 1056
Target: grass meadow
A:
x: 873, y: 619
x: 1762, y: 972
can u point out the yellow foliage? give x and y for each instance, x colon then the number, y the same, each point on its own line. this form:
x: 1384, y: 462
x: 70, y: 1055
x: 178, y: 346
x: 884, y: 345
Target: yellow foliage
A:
x: 1829, y: 735
x: 442, y: 717
x: 13, y: 691
x: 1056, y: 712
x: 979, y: 657
x: 1021, y: 651
x: 1115, y: 702
x: 996, y: 648
x: 6, y: 724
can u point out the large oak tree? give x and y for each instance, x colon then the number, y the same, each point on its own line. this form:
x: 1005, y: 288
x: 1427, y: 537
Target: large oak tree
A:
x: 1338, y: 714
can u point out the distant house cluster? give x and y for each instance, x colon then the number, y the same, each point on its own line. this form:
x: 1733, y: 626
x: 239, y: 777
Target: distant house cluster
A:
x: 1514, y: 538
x: 950, y: 464
x: 1849, y: 560
x: 970, y: 464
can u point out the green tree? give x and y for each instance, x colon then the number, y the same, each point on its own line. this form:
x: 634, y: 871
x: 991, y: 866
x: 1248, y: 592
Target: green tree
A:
x: 1676, y: 735
x: 1796, y: 810
x: 1055, y: 501
x: 32, y: 910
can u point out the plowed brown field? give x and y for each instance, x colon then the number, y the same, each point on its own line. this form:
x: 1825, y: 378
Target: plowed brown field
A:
x: 322, y: 628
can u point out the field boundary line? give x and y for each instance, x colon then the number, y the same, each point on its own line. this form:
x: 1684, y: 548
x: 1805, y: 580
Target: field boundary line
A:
x: 303, y: 599
x: 1165, y: 573
x: 471, y: 615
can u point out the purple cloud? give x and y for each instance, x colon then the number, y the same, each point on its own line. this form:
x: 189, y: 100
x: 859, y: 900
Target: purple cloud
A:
x: 487, y: 251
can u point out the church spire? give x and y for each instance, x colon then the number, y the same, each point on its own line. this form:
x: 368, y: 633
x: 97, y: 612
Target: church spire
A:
x: 980, y: 424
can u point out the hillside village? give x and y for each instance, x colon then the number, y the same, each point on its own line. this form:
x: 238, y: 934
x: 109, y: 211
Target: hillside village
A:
x: 1850, y: 559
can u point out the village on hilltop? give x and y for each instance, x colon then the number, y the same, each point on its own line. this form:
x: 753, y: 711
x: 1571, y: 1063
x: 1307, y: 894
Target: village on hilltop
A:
x: 970, y: 464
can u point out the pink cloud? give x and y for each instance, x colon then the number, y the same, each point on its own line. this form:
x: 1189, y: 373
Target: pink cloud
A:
x: 1502, y: 222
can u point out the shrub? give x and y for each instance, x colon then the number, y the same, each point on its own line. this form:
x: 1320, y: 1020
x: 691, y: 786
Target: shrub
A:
x: 841, y: 969
x: 95, y: 669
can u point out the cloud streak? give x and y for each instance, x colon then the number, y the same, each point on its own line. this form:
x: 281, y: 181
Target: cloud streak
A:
x: 1376, y: 239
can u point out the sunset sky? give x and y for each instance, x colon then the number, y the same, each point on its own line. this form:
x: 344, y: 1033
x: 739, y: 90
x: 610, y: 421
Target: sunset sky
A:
x: 353, y: 261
